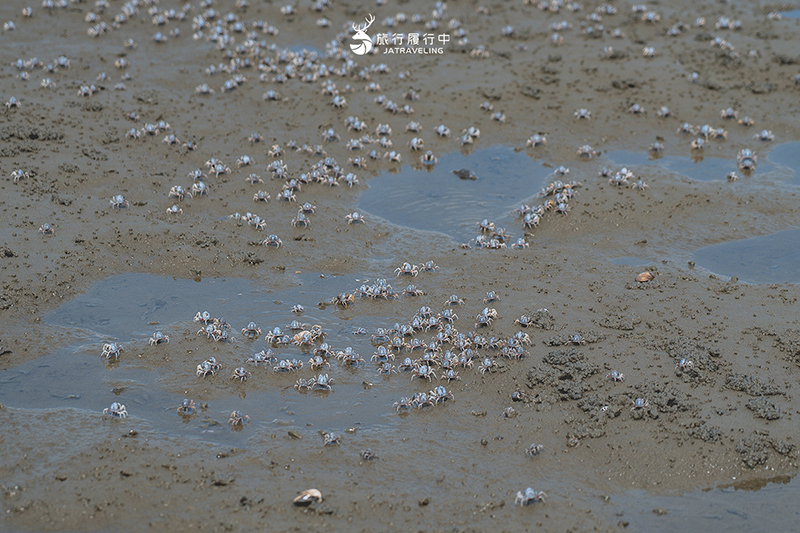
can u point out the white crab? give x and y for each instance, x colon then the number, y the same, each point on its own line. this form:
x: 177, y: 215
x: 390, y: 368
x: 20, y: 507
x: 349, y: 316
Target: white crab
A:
x: 117, y: 410
x: 111, y: 349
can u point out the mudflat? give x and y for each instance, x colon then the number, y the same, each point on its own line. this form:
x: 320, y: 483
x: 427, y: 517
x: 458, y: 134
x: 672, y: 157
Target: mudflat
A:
x: 667, y: 383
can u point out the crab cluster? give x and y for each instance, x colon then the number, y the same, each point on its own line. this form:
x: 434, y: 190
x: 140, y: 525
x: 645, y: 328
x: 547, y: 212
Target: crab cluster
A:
x: 320, y: 383
x: 421, y: 399
x: 287, y: 365
x: 380, y: 289
x: 209, y: 366
x: 218, y: 331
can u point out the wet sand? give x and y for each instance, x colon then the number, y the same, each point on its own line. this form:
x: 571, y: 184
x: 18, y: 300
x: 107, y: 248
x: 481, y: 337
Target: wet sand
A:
x: 726, y: 420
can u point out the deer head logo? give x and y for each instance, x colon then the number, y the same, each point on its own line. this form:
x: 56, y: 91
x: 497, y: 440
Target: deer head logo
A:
x: 364, y: 42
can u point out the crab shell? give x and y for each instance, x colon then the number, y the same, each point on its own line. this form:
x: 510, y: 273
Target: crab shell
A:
x: 644, y: 277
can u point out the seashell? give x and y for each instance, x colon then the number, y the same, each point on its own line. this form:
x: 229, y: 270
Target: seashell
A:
x: 644, y: 277
x: 307, y: 497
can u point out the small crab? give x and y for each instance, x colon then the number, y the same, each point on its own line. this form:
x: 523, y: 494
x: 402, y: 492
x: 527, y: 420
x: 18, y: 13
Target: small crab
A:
x: 111, y: 349
x: 487, y: 366
x: 576, y: 338
x: 342, y: 300
x: 368, y: 455
x: 287, y: 195
x: 636, y: 109
x: 615, y: 376
x: 764, y: 135
x: 187, y: 407
x: 354, y: 218
x: 534, y: 449
x: 587, y: 151
x: 450, y: 375
x: 728, y: 113
x: 118, y: 202
x: 639, y: 403
x: 583, y: 113
x: 19, y: 174
x: 746, y: 160
x: 261, y: 196
x: 442, y: 131
x: 321, y: 382
x: 240, y: 373
x: 158, y: 338
x: 331, y: 438
x: 536, y: 140
x: 178, y: 192
x: 407, y: 269
x: 684, y: 364
x: 264, y: 356
x: 220, y: 169
x: 454, y: 300
x: 428, y: 159
x: 12, y: 103
x: 209, y: 366
x: 117, y: 410
x: 251, y: 331
x: 485, y: 226
x: 423, y: 372
x: 393, y: 156
x: 491, y: 296
x: 561, y: 170
x: 46, y: 229
x: 531, y: 220
x: 238, y: 419
x: 528, y: 497
x: 301, y: 220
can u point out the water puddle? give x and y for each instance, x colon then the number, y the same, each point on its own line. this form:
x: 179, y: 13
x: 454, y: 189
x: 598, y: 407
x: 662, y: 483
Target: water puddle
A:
x: 754, y: 507
x: 792, y: 14
x: 766, y: 259
x: 153, y: 380
x: 434, y: 199
x: 697, y: 168
x: 787, y: 155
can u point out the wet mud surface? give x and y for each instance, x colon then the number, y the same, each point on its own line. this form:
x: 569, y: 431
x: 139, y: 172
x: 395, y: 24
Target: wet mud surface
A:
x: 658, y: 404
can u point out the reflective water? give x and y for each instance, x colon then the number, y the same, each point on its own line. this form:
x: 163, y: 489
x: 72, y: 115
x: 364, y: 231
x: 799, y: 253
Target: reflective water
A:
x: 787, y: 155
x: 698, y: 167
x: 767, y: 259
x: 792, y: 14
x: 152, y: 380
x: 753, y: 507
x: 434, y: 199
